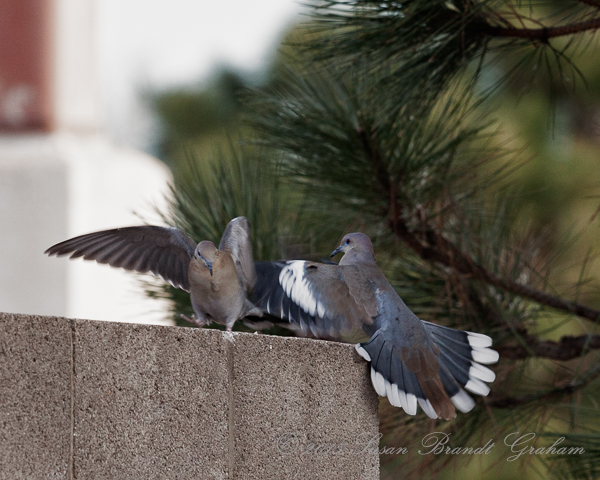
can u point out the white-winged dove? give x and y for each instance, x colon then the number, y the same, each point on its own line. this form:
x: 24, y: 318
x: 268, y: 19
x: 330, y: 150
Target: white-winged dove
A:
x: 412, y: 361
x: 218, y: 280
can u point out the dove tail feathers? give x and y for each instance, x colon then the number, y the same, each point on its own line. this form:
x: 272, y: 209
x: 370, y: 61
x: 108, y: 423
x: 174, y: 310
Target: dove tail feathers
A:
x: 390, y: 376
x: 460, y: 355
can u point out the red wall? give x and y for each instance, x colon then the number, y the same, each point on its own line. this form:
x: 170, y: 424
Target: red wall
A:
x: 25, y: 65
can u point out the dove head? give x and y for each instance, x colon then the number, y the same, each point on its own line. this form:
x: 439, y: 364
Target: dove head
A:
x: 208, y: 253
x: 357, y: 248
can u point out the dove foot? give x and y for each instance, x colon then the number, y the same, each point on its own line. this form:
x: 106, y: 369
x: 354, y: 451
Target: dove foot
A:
x: 193, y: 319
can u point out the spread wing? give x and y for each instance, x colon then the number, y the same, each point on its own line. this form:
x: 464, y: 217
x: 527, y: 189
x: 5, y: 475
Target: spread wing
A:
x: 165, y: 252
x: 413, y: 361
x: 312, y: 295
x: 236, y: 241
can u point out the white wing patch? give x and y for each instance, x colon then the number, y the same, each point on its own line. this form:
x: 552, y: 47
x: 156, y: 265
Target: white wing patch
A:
x: 481, y: 353
x: 484, y: 355
x: 293, y: 280
x: 482, y: 373
x: 479, y: 340
x: 477, y: 386
x: 427, y: 408
x: 362, y: 352
x: 463, y: 401
x: 398, y: 397
x: 378, y: 382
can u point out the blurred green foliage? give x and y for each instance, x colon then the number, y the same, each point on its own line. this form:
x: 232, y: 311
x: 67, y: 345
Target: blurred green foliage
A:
x: 190, y: 114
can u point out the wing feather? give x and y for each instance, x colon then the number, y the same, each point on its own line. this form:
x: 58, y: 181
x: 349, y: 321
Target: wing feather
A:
x: 322, y: 297
x: 236, y: 241
x: 166, y: 252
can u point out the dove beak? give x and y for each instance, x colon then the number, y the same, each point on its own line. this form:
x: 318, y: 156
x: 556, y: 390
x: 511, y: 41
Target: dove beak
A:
x: 209, y: 266
x: 336, y: 251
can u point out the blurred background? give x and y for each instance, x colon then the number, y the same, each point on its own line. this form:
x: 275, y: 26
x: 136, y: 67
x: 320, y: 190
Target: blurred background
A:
x: 104, y: 103
x: 80, y: 137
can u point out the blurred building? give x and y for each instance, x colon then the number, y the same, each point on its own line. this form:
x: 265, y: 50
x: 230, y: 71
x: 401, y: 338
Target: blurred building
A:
x: 60, y: 176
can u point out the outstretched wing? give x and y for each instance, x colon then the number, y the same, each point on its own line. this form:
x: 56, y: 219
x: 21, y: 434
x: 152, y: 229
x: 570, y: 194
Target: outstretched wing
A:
x: 165, y: 252
x: 236, y: 241
x: 312, y: 295
x: 413, y: 361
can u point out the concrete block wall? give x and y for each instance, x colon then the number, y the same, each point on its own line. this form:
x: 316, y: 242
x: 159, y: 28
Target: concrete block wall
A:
x: 82, y: 399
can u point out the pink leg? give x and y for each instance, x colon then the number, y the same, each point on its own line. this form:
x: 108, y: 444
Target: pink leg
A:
x: 198, y: 321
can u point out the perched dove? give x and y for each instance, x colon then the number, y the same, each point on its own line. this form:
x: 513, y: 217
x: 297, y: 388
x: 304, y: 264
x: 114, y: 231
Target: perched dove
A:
x: 218, y: 279
x: 412, y: 361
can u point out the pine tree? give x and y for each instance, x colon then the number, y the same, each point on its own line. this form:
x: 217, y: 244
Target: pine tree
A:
x: 382, y: 121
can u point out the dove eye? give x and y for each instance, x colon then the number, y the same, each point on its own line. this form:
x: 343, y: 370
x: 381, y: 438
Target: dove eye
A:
x: 348, y: 241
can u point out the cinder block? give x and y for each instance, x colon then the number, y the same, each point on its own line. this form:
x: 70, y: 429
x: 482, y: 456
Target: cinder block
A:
x: 35, y: 397
x: 303, y: 409
x: 151, y: 402
x: 84, y: 399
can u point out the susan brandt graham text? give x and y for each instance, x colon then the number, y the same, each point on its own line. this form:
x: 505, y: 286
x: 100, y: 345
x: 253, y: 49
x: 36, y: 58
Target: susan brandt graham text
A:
x: 435, y: 443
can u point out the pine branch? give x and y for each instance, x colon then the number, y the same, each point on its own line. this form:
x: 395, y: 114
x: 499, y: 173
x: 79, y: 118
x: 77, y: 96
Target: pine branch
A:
x: 370, y: 147
x: 431, y: 245
x: 592, y: 3
x: 568, y: 348
x: 543, y: 34
x: 573, y: 387
x: 344, y: 115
